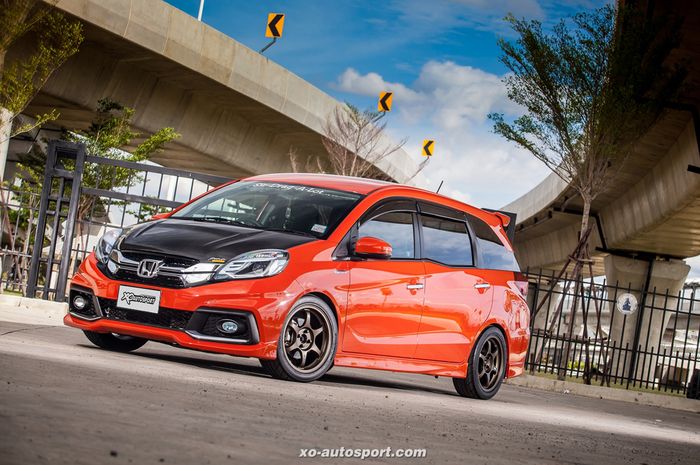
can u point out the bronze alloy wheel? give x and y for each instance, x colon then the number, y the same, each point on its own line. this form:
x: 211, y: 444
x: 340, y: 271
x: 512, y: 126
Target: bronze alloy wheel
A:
x: 490, y: 361
x: 307, y: 337
x: 486, y: 366
x: 307, y: 342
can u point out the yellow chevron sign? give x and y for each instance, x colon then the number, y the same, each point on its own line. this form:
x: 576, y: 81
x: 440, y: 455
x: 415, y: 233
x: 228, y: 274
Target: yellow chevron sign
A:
x: 275, y: 24
x: 428, y: 146
x: 384, y: 103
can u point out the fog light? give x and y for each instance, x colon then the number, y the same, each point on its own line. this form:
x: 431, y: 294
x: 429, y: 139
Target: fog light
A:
x: 79, y: 302
x: 227, y: 326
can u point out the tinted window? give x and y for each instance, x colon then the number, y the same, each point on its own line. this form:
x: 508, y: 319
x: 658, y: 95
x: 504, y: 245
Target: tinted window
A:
x: 293, y: 208
x: 492, y: 253
x: 396, y: 228
x: 446, y: 241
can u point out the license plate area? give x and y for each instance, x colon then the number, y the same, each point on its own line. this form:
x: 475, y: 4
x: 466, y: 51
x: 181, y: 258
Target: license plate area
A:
x: 138, y: 298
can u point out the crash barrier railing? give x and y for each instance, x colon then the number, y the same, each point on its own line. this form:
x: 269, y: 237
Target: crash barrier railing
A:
x: 614, y: 335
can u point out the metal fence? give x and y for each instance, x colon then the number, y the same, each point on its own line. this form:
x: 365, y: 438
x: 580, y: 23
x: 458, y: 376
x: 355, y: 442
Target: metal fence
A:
x: 617, y: 335
x: 78, y: 199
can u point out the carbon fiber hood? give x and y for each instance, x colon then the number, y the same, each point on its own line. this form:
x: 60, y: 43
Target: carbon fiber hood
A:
x: 204, y: 241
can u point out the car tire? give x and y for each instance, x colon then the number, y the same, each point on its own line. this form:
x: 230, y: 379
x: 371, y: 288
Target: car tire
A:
x: 307, y: 343
x: 486, y: 367
x: 115, y: 342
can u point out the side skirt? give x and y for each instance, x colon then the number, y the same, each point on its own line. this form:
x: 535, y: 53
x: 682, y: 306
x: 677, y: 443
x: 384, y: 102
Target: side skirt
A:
x: 381, y: 362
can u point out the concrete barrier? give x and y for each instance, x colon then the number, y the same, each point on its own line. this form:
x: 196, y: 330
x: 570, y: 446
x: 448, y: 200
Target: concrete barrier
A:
x: 601, y: 392
x: 17, y: 309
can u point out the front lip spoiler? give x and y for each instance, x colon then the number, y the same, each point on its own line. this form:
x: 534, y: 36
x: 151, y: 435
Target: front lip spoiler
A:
x: 170, y: 336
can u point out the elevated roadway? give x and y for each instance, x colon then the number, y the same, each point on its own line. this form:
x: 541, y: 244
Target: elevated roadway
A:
x: 239, y: 113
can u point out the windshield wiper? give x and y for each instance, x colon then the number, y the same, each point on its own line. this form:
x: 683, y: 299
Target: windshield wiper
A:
x: 216, y: 219
x: 291, y: 231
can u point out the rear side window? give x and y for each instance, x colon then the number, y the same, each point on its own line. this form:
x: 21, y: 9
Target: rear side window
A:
x: 396, y: 228
x: 492, y: 253
x: 446, y: 241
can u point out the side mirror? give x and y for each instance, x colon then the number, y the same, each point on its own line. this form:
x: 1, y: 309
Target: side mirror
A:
x: 371, y: 247
x: 160, y: 216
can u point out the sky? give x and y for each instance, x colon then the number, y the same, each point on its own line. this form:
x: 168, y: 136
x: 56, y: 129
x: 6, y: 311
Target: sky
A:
x: 439, y: 57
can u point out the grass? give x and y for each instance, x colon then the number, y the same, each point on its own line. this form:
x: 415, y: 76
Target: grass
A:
x: 9, y: 292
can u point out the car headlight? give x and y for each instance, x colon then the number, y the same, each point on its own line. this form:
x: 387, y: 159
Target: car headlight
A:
x: 257, y: 264
x: 198, y: 273
x: 106, y: 244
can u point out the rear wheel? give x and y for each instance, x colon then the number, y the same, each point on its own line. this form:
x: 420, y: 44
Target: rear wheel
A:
x: 486, y: 368
x: 115, y: 342
x: 307, y: 343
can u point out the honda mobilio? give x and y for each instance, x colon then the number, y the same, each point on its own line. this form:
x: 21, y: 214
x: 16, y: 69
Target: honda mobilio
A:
x: 309, y: 271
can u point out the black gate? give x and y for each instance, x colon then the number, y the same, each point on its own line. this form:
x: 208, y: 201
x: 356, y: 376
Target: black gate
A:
x: 82, y: 197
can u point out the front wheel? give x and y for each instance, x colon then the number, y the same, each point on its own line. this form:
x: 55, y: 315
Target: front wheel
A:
x: 486, y: 368
x: 307, y: 342
x: 115, y: 342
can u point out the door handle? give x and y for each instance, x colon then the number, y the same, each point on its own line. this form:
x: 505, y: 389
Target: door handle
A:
x: 482, y: 286
x: 414, y: 286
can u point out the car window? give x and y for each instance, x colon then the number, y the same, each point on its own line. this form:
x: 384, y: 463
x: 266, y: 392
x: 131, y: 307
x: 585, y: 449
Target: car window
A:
x: 292, y: 208
x: 446, y: 241
x: 492, y: 253
x: 396, y: 228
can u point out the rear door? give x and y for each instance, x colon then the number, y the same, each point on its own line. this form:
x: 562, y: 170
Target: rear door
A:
x: 458, y: 296
x: 385, y: 297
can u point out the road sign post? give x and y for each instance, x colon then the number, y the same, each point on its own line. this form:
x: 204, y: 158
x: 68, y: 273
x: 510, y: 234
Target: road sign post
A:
x: 273, y: 29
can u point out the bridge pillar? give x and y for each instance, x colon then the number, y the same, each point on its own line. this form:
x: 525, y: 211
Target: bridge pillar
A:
x: 645, y: 326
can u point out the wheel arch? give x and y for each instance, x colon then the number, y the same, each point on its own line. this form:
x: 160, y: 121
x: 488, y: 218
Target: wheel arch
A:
x: 327, y: 300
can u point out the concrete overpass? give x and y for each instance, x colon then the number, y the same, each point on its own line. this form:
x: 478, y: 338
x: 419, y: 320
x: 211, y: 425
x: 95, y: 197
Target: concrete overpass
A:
x: 238, y: 112
x: 653, y: 207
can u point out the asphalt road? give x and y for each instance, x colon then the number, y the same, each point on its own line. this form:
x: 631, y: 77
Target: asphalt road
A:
x: 64, y: 402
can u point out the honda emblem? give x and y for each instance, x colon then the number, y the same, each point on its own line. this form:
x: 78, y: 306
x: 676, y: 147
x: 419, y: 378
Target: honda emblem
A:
x: 149, y: 268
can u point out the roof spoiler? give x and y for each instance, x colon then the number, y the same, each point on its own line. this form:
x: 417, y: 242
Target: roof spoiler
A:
x: 508, y: 222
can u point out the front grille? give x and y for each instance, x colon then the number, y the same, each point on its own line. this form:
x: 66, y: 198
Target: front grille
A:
x: 168, y: 260
x: 160, y: 280
x: 165, y: 318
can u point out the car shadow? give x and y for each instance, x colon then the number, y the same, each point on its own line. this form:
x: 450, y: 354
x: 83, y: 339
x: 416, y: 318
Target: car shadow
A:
x: 334, y: 378
x: 208, y: 364
x: 253, y: 370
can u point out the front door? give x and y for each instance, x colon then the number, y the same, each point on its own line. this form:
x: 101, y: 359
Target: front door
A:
x: 385, y: 298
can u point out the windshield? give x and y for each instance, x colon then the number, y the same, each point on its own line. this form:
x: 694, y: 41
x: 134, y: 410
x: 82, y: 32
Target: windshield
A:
x: 292, y: 208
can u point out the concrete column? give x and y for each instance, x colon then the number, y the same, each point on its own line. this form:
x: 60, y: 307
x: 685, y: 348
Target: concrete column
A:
x: 666, y: 275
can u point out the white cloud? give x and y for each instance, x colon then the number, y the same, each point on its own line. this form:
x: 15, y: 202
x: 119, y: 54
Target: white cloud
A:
x: 448, y: 94
x: 450, y: 103
x: 527, y: 8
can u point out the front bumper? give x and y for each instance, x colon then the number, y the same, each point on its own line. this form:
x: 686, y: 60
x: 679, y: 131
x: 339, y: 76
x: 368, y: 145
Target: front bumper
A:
x: 187, y: 317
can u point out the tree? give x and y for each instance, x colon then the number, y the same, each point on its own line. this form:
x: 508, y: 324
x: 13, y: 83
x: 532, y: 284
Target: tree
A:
x: 590, y: 92
x: 355, y: 142
x: 54, y: 40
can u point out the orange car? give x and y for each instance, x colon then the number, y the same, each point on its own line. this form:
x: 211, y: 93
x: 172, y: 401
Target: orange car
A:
x: 306, y: 271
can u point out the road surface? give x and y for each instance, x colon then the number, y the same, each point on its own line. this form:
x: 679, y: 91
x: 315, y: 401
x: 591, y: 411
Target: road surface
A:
x: 63, y: 401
